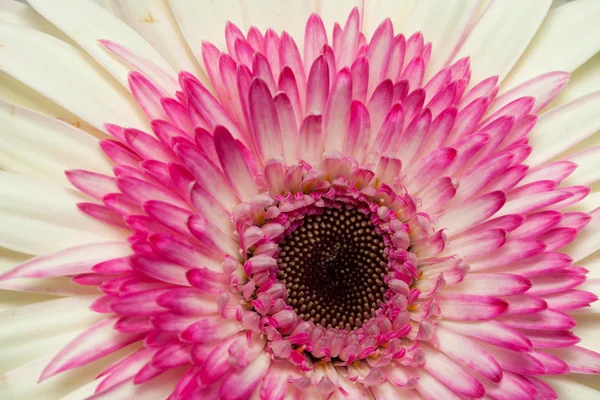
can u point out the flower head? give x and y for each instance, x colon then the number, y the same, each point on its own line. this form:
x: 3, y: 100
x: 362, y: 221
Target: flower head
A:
x: 347, y: 215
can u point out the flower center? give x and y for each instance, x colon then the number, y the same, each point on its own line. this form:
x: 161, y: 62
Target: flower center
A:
x: 333, y: 267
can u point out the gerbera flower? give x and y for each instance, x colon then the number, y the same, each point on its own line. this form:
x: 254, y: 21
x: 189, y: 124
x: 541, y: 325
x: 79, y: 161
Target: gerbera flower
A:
x: 316, y: 199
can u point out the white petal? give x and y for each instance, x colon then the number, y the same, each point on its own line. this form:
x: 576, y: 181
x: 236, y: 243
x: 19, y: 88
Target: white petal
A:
x: 16, y: 92
x: 86, y: 23
x: 17, y: 13
x: 30, y: 235
x: 205, y: 20
x: 68, y: 77
x: 588, y: 168
x: 156, y: 23
x: 376, y: 11
x: 560, y: 128
x: 29, y: 197
x: 444, y: 24
x: 33, y: 321
x: 588, y: 240
x: 589, y: 203
x: 9, y: 259
x: 51, y: 286
x: 83, y: 392
x: 10, y: 300
x: 16, y: 355
x: 501, y: 35
x: 21, y: 383
x: 47, y: 145
x: 289, y: 16
x: 567, y: 388
x: 567, y: 38
x: 584, y: 80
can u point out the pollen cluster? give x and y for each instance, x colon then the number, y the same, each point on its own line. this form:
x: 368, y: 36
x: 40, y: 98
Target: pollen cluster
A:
x: 333, y: 267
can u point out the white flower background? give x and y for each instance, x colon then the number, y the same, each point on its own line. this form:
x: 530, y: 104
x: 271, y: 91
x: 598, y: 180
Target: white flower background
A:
x: 30, y: 337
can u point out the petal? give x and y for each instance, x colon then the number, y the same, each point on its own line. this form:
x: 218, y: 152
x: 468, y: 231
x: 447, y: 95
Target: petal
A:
x: 472, y: 308
x: 71, y: 261
x: 58, y: 145
x: 552, y: 48
x: 265, y: 123
x: 452, y: 375
x: 240, y: 384
x: 157, y: 25
x: 468, y: 353
x: 234, y: 163
x: 444, y: 24
x: 46, y: 318
x: 492, y: 332
x: 337, y: 112
x: 72, y: 81
x: 549, y: 136
x: 87, y: 22
x: 587, y: 242
x: 96, y: 342
x: 472, y: 213
x: 311, y: 140
x: 500, y: 37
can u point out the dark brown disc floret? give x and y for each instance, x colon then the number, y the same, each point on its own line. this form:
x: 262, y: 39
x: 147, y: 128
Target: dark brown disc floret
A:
x: 333, y: 266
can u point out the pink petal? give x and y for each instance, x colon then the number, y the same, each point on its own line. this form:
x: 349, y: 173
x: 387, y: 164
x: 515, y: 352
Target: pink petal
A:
x: 138, y: 304
x: 522, y: 304
x: 452, y: 375
x: 187, y: 302
x: 378, y: 53
x: 209, y: 107
x: 289, y: 86
x: 72, y: 261
x: 141, y: 192
x: 210, y: 329
x: 493, y: 284
x: 557, y: 282
x: 240, y: 384
x: 311, y: 140
x: 527, y: 204
x: 234, y: 163
x: 265, y: 124
x: 413, y: 137
x: 336, y: 119
x: 349, y: 40
x: 161, y: 270
x: 388, y: 137
x: 358, y: 131
x: 476, y: 245
x: 544, y: 320
x: 551, y: 339
x: 570, y: 300
x: 579, y: 360
x: 289, y: 55
x: 493, y: 332
x: 379, y: 104
x: 315, y: 37
x: 513, y: 250
x: 91, y: 183
x: 472, y: 307
x: 147, y: 95
x: 468, y: 353
x: 96, y: 342
x: 207, y: 174
x: 543, y: 88
x: 289, y: 128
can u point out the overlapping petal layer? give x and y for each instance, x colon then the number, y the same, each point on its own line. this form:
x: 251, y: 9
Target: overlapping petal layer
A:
x: 483, y: 233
